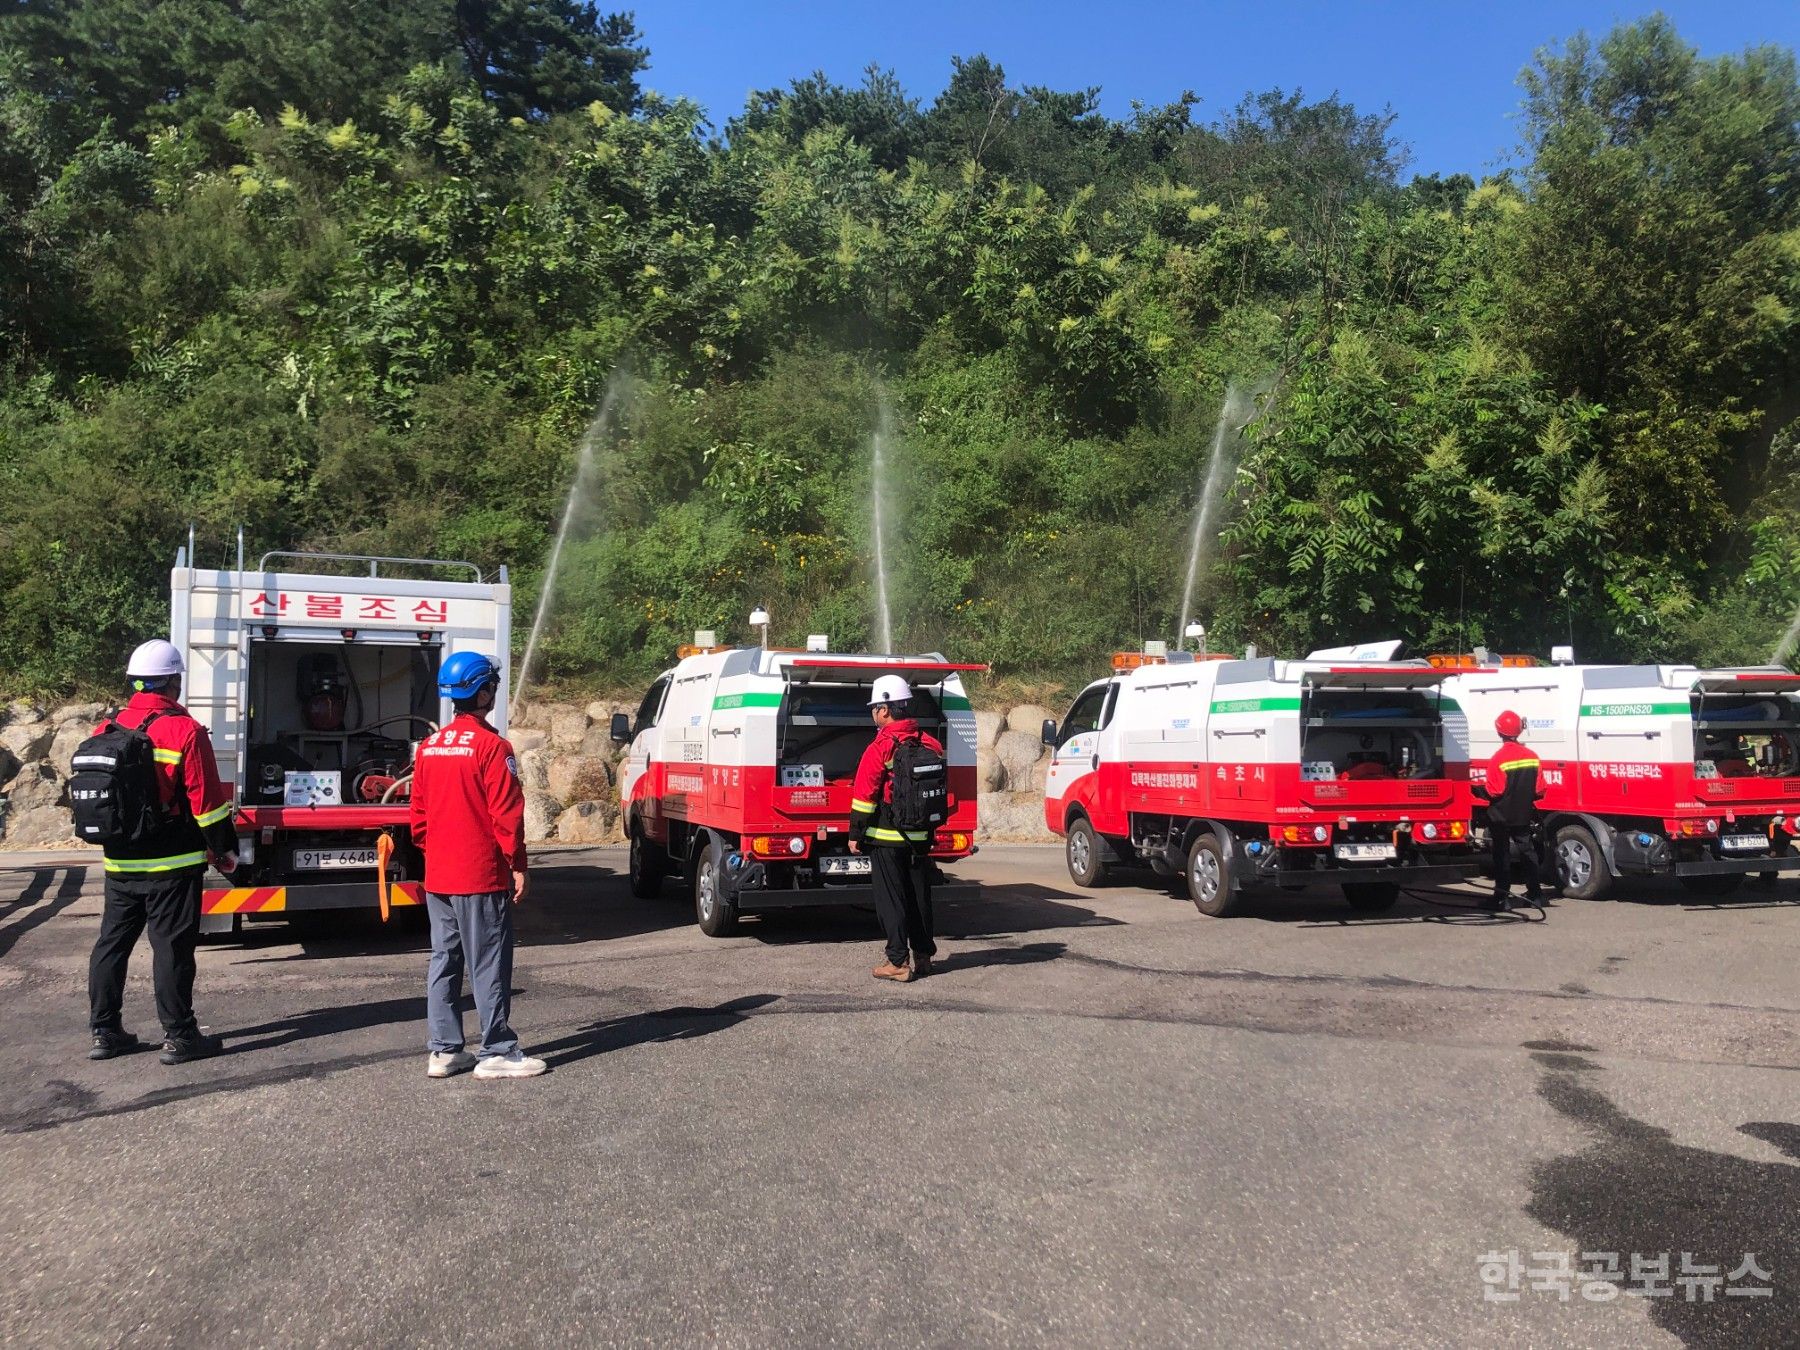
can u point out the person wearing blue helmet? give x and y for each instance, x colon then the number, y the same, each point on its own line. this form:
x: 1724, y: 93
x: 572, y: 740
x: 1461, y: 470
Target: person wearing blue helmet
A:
x: 468, y: 815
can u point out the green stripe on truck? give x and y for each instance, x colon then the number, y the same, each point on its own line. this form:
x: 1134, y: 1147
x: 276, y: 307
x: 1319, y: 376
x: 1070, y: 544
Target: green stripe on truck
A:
x: 1636, y: 709
x: 752, y: 700
x: 1278, y: 703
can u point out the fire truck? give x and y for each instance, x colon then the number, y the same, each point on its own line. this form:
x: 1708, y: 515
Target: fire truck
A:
x: 1664, y: 769
x: 316, y: 675
x: 740, y: 767
x: 1240, y: 775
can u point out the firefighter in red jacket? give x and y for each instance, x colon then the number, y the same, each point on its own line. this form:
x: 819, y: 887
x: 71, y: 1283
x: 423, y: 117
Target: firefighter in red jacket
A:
x: 1510, y: 788
x: 156, y: 882
x: 468, y: 815
x: 899, y: 861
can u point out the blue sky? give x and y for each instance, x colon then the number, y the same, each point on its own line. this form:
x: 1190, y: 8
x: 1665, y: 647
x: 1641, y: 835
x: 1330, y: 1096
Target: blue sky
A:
x: 1448, y: 69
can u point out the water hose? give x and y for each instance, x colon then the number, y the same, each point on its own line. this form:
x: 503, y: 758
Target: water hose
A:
x: 384, y: 850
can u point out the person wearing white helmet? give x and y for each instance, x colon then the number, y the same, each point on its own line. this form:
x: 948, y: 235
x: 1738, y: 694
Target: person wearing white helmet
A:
x: 899, y: 857
x: 154, y: 882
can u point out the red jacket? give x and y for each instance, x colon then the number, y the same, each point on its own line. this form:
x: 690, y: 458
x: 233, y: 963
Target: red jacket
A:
x: 187, y: 779
x: 1511, y: 784
x: 468, y: 810
x: 873, y: 787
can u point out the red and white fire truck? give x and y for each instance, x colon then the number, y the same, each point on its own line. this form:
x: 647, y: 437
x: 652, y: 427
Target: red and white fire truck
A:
x: 1669, y: 770
x: 316, y: 675
x: 739, y: 774
x: 1257, y: 773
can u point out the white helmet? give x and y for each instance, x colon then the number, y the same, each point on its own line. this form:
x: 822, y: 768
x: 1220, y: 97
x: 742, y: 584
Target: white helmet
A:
x: 153, y: 660
x: 889, y: 689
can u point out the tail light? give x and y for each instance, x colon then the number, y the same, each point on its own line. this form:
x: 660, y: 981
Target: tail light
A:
x: 958, y: 842
x: 1692, y: 829
x: 1434, y: 832
x: 1305, y: 836
x: 778, y: 845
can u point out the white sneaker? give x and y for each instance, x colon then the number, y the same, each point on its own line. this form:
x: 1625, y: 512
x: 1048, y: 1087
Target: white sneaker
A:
x: 443, y: 1063
x: 516, y: 1065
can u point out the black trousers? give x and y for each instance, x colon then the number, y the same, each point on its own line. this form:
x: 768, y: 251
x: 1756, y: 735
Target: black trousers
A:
x: 168, y: 904
x: 1504, y: 837
x: 903, y: 900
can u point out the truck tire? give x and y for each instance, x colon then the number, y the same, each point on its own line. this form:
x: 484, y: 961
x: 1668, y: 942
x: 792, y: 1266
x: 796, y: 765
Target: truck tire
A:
x: 1086, y: 853
x: 1579, y: 864
x: 1371, y: 897
x: 1713, y: 886
x: 649, y: 866
x: 713, y: 910
x: 1209, y: 878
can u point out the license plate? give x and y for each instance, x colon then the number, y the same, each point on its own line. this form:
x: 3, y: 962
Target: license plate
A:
x: 1744, y: 841
x: 844, y: 867
x: 1364, y: 852
x: 331, y: 859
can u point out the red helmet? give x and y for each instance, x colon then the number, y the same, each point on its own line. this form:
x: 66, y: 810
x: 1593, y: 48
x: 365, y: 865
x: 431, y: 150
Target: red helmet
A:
x: 1509, y: 724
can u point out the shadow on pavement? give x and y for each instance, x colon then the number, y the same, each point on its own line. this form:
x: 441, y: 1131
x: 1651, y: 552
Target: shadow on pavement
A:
x: 28, y: 911
x: 316, y: 1022
x: 663, y: 1024
x: 993, y: 911
x: 1635, y: 1192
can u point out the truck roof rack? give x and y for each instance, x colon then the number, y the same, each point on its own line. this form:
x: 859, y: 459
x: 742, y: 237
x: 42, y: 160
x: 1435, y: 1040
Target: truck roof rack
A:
x: 374, y: 561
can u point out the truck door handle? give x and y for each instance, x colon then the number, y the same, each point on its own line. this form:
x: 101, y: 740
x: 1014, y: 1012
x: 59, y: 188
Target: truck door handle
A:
x: 1094, y: 763
x: 733, y: 732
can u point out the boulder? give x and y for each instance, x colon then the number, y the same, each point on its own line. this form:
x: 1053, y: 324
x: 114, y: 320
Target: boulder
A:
x: 599, y: 744
x: 89, y: 714
x: 541, y: 811
x: 988, y: 726
x: 990, y: 773
x: 22, y: 713
x: 1017, y: 816
x: 40, y: 827
x: 1028, y: 717
x: 590, y: 822
x: 9, y: 764
x: 62, y: 745
x: 525, y: 741
x: 1017, y: 753
x: 567, y: 727
x: 27, y: 741
x: 578, y: 778
x: 534, y: 770
x: 600, y: 712
x: 35, y: 787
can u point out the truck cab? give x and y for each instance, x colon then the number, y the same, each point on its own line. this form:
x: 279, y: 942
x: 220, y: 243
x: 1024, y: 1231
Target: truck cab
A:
x: 1256, y: 773
x: 739, y: 770
x: 316, y: 676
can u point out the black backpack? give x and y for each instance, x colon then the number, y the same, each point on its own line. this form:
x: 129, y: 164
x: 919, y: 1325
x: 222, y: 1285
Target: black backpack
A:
x: 920, y: 796
x: 113, y: 791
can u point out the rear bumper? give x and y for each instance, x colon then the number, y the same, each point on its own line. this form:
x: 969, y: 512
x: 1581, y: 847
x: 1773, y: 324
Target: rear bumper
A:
x: 1725, y: 867
x: 293, y: 899
x: 806, y: 896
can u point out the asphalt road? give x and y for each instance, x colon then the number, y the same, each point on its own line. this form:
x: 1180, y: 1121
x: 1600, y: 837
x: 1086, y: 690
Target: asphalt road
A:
x: 1107, y: 1120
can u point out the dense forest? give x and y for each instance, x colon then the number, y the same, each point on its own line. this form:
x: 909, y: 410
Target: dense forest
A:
x: 357, y: 276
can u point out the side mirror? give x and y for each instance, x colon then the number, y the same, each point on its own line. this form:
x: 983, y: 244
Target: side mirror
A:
x: 621, y: 728
x: 1049, y: 733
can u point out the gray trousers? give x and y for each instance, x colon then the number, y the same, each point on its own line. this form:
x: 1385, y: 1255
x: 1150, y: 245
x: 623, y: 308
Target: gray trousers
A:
x: 475, y: 930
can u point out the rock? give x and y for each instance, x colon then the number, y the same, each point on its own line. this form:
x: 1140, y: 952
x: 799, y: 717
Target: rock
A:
x: 578, y: 778
x: 27, y: 741
x: 36, y: 786
x: 88, y: 714
x: 534, y: 770
x: 1017, y: 753
x: 600, y: 712
x: 1010, y: 816
x: 599, y: 744
x: 9, y: 764
x: 990, y: 773
x: 23, y: 713
x: 988, y: 726
x: 541, y: 811
x: 567, y: 728
x: 40, y: 827
x: 590, y: 822
x: 62, y: 745
x: 1028, y: 717
x: 524, y: 741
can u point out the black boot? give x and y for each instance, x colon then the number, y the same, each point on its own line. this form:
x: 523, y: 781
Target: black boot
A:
x: 181, y: 1049
x: 113, y: 1041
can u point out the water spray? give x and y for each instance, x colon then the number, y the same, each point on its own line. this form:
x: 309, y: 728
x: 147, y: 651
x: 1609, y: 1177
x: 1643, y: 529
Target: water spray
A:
x: 1234, y: 414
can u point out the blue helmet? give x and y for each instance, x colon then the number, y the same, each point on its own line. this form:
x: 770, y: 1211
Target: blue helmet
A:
x: 464, y: 673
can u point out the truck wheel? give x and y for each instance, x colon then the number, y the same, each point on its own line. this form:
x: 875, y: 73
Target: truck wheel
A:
x: 1371, y: 897
x: 1086, y: 853
x: 649, y: 865
x: 1580, y: 866
x: 713, y: 910
x: 1713, y: 886
x: 1209, y: 878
